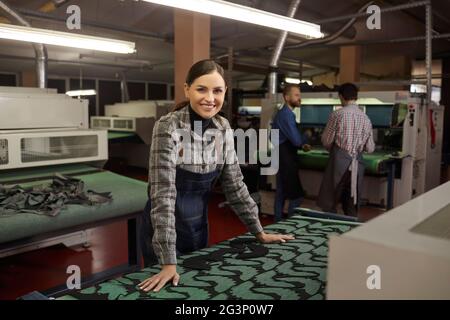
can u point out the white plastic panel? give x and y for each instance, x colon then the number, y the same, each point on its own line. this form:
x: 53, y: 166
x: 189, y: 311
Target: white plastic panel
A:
x: 123, y: 124
x: 101, y: 123
x: 435, y: 121
x: 409, y: 246
x: 139, y: 109
x: 27, y: 90
x: 3, y: 151
x: 114, y: 123
x: 437, y: 225
x: 21, y: 110
x: 42, y: 148
x: 36, y: 149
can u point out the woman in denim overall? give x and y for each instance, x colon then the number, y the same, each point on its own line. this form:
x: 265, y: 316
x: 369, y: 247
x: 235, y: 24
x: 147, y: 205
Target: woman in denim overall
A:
x: 175, y: 219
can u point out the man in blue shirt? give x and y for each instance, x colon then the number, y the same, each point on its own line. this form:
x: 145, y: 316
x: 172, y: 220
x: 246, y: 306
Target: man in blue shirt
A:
x: 290, y: 140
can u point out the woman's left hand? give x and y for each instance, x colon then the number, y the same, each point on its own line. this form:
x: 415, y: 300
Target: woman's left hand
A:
x: 273, y: 238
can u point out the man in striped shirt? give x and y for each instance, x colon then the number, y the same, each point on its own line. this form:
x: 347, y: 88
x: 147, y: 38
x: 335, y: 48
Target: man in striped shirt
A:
x: 347, y: 135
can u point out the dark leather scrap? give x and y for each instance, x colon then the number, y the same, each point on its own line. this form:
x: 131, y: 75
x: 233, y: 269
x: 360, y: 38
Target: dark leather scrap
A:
x: 245, y: 248
x: 48, y: 199
x: 256, y: 251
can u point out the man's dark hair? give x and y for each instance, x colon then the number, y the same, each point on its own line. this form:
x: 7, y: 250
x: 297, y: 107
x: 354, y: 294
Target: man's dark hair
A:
x: 288, y: 87
x: 348, y: 91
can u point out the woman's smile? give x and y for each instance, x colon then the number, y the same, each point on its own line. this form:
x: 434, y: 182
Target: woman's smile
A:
x: 208, y: 106
x: 207, y: 94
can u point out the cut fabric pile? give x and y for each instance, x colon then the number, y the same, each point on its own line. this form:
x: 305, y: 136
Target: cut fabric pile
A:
x: 48, y: 199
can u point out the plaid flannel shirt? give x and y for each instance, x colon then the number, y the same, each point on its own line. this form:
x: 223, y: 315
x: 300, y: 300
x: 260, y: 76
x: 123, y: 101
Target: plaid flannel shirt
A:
x: 165, y: 155
x: 350, y: 129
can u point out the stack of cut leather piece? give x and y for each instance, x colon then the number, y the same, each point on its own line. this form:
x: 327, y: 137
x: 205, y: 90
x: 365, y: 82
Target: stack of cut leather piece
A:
x: 48, y: 199
x: 244, y: 248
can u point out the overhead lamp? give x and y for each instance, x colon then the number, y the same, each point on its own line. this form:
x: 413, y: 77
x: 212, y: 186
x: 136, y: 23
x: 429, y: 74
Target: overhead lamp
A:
x: 80, y: 93
x: 58, y: 38
x: 292, y: 80
x: 297, y: 81
x: 238, y: 12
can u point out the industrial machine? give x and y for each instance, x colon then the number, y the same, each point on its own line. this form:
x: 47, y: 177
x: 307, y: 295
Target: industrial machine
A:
x: 408, y: 137
x: 40, y: 129
x: 402, y: 254
x: 130, y: 126
x: 249, y: 110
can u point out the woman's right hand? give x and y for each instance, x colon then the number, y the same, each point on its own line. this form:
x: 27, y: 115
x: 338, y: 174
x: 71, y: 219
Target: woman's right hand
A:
x: 156, y: 282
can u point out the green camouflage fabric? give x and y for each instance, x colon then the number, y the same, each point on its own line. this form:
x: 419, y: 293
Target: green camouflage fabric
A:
x: 290, y: 271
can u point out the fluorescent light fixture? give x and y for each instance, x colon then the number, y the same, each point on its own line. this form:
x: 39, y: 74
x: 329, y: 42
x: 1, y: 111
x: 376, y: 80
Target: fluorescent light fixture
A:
x: 57, y: 38
x: 79, y: 93
x: 297, y: 81
x: 238, y: 12
x: 292, y: 80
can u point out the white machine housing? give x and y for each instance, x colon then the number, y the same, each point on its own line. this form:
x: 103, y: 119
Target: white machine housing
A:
x: 32, y: 148
x: 114, y: 123
x: 402, y: 254
x: 139, y: 109
x: 133, y: 116
x: 39, y: 127
x: 31, y: 108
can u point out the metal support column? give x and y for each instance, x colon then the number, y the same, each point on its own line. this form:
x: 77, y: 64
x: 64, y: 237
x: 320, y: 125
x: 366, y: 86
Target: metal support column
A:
x: 273, y: 75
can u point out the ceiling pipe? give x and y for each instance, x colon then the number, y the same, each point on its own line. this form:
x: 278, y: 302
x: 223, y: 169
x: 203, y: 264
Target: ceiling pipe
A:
x: 90, y: 64
x: 123, y: 87
x: 94, y: 24
x: 278, y: 49
x: 332, y: 37
x: 381, y: 41
x: 39, y: 49
x: 383, y: 10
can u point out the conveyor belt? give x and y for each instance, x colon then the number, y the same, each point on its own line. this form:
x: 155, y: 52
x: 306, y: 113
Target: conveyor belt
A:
x: 38, y: 173
x: 129, y: 196
x: 293, y: 270
x: 112, y: 135
x: 317, y: 159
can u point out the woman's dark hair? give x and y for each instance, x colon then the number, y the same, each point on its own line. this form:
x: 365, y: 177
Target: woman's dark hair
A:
x: 348, y: 91
x: 197, y: 70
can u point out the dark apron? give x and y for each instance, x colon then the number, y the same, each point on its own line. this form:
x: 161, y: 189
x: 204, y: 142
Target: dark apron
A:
x: 288, y: 171
x: 191, y: 215
x: 338, y: 164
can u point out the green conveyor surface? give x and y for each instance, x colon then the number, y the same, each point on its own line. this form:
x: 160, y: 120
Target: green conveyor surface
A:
x: 294, y: 270
x: 129, y: 196
x: 119, y: 135
x: 11, y: 176
x: 317, y: 159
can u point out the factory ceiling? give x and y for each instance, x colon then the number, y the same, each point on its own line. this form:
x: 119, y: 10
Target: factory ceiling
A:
x: 151, y: 27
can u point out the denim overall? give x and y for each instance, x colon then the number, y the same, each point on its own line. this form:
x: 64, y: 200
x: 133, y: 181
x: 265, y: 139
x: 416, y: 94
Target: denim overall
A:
x: 191, y: 214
